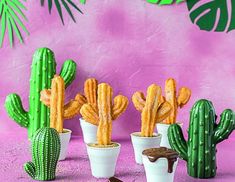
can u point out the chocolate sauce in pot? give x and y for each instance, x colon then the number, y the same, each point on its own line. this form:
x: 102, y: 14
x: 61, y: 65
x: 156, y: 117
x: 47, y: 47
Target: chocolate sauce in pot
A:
x: 113, y: 179
x: 154, y: 154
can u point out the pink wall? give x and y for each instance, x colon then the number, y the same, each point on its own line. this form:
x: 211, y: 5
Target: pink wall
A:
x: 129, y: 44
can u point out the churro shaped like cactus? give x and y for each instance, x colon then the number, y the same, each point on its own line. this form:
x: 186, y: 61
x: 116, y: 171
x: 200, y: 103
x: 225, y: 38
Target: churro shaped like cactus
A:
x: 43, y: 70
x: 153, y: 108
x: 54, y: 98
x: 175, y: 101
x: 45, y: 155
x: 203, y: 136
x: 105, y: 112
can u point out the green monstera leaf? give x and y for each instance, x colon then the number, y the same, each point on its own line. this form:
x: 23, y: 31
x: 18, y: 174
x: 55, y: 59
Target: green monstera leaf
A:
x: 11, y: 16
x: 83, y: 1
x: 65, y: 4
x: 164, y: 2
x: 213, y: 15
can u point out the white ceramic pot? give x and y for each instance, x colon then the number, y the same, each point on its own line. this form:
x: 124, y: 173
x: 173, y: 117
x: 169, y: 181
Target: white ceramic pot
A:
x: 89, y: 131
x: 141, y: 143
x: 103, y: 160
x: 158, y: 171
x: 64, y: 141
x: 162, y: 129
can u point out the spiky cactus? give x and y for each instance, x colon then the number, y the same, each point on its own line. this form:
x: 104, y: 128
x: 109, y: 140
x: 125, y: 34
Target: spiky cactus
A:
x: 203, y: 136
x: 43, y: 70
x: 45, y: 155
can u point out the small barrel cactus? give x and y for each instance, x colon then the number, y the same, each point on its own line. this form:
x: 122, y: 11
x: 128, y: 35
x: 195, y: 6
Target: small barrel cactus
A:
x: 203, y: 136
x: 43, y: 70
x: 45, y: 155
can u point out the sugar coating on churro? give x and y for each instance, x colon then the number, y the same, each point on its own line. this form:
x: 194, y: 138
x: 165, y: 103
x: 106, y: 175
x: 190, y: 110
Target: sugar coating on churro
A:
x: 54, y: 98
x: 105, y: 112
x: 153, y: 108
x: 175, y: 101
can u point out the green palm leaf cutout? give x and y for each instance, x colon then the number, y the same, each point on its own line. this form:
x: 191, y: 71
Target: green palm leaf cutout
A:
x: 11, y: 17
x: 206, y: 17
x: 164, y: 2
x: 59, y: 4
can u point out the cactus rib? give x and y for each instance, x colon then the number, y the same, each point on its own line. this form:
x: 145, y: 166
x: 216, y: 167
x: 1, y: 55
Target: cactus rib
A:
x: 68, y: 72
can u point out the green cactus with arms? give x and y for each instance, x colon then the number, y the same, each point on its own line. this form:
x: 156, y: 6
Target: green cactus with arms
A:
x: 45, y: 154
x: 43, y: 70
x: 203, y: 136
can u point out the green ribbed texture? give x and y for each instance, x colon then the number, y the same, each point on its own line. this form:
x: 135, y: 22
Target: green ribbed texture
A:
x: 203, y: 136
x: 45, y: 155
x: 43, y: 70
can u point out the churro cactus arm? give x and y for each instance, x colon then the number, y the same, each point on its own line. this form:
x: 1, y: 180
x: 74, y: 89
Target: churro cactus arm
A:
x: 71, y: 109
x: 163, y: 111
x: 170, y: 94
x: 45, y: 97
x: 139, y: 100
x: 90, y: 91
x: 68, y: 72
x: 105, y: 118
x: 16, y: 111
x: 149, y: 113
x: 225, y: 126
x: 119, y: 106
x: 57, y: 103
x: 90, y: 114
x: 183, y: 97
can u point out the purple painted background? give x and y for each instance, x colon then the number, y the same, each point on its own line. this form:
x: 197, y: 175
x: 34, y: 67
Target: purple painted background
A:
x: 129, y: 44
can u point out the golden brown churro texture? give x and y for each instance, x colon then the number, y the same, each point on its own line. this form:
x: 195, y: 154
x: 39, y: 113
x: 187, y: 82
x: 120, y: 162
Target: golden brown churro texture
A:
x: 54, y: 98
x: 105, y: 112
x: 175, y: 101
x: 90, y: 91
x: 153, y: 109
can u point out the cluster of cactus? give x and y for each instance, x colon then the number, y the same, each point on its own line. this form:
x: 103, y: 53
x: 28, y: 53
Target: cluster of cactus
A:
x: 43, y: 70
x: 153, y: 108
x: 176, y: 101
x: 54, y: 98
x: 105, y: 112
x: 203, y: 136
x: 45, y: 154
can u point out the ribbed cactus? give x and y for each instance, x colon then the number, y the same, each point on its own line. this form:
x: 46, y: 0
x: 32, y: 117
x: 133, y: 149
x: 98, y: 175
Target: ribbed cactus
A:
x: 203, y: 136
x: 43, y: 70
x: 45, y: 155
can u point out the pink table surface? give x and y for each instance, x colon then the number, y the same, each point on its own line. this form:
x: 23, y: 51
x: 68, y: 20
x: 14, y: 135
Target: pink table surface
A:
x: 14, y: 153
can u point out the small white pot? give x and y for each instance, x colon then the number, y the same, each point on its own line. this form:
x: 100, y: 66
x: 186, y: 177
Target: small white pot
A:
x: 141, y: 143
x: 89, y: 131
x: 64, y: 141
x: 162, y: 129
x: 103, y: 160
x: 158, y: 170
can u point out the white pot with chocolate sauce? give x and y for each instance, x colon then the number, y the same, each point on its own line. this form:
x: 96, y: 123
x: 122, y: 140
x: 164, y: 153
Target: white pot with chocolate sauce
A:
x: 64, y: 142
x: 103, y: 159
x: 162, y: 129
x: 160, y: 164
x: 89, y: 131
x: 141, y: 143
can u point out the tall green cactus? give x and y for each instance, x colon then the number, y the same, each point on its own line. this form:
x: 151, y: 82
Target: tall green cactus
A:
x: 203, y: 136
x: 45, y: 154
x: 43, y: 70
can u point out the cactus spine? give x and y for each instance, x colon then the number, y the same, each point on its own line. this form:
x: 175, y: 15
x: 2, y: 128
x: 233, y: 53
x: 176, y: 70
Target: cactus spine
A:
x: 45, y: 155
x: 203, y: 136
x: 43, y: 70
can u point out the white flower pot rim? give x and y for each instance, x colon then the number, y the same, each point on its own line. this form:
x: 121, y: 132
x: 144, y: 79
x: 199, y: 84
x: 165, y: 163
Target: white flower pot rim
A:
x: 65, y: 131
x: 155, y: 135
x: 103, y: 148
